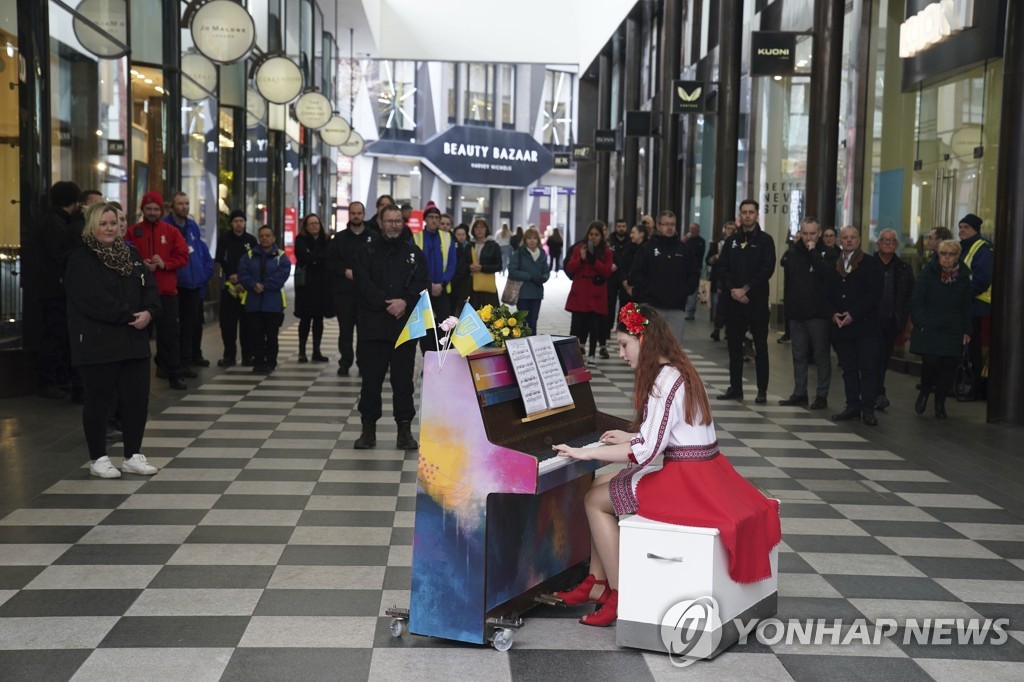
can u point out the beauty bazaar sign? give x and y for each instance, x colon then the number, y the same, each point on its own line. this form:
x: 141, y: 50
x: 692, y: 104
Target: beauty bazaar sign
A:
x: 470, y: 155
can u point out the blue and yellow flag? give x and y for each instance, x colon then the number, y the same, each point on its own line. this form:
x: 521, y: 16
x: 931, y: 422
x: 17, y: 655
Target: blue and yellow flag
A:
x: 421, y: 319
x: 471, y: 332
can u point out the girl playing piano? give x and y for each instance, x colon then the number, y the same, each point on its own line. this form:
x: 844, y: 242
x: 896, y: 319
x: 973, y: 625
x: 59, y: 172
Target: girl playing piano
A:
x: 696, y: 485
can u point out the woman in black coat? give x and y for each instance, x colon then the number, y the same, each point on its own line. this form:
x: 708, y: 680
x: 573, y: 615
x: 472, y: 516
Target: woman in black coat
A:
x: 480, y: 260
x: 941, y: 309
x: 112, y: 299
x: 313, y: 300
x: 461, y: 282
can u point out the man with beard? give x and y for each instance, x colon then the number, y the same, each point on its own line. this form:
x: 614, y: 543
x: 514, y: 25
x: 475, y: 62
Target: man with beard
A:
x: 665, y: 273
x: 389, y: 276
x: 746, y: 263
x: 619, y: 243
x: 894, y: 308
x: 232, y: 246
x: 341, y: 255
x: 192, y: 281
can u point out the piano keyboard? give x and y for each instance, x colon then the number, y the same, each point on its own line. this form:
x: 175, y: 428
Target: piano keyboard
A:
x: 558, y: 461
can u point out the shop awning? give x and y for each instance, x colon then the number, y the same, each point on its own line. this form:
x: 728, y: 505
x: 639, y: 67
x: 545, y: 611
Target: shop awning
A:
x: 557, y: 32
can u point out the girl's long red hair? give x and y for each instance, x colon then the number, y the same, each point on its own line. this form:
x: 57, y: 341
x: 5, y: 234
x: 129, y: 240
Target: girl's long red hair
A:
x: 658, y: 342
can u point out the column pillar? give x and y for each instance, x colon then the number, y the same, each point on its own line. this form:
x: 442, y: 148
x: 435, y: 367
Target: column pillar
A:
x: 172, y: 108
x: 1006, y: 364
x: 823, y: 120
x: 628, y: 204
x: 730, y: 45
x: 668, y: 159
x: 586, y: 171
x: 604, y: 159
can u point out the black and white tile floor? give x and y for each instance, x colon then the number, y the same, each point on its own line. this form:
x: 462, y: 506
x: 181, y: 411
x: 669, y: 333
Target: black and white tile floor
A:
x: 267, y: 548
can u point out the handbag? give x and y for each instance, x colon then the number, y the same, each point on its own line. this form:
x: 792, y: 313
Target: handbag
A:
x: 963, y: 380
x: 300, y: 276
x: 510, y: 294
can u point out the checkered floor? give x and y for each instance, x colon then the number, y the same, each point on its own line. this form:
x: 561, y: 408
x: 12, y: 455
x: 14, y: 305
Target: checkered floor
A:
x: 267, y: 548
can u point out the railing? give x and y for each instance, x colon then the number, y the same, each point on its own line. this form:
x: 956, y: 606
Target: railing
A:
x: 10, y: 296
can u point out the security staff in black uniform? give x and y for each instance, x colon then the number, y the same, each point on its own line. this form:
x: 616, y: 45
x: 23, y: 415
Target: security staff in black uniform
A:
x: 341, y: 257
x: 745, y: 265
x: 232, y: 245
x: 389, y: 276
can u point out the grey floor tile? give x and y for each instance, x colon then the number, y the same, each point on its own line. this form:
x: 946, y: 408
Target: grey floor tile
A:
x: 342, y: 535
x: 889, y: 587
x: 328, y: 578
x: 176, y: 632
x: 948, y: 669
x: 214, y: 554
x: 730, y: 665
x: 53, y: 666
x: 94, y: 501
x: 914, y: 529
x: 261, y: 502
x: 58, y: 603
x: 816, y: 607
x: 577, y: 665
x: 318, y: 602
x: 275, y: 535
x: 114, y: 554
x: 213, y: 577
x: 347, y: 518
x: 261, y: 474
x: 94, y: 577
x: 324, y: 555
x: 334, y: 632
x: 311, y: 665
x: 398, y: 578
x: 948, y: 567
x: 356, y: 488
x: 837, y: 544
x: 805, y: 668
x: 41, y: 534
x: 16, y: 577
x: 84, y: 632
x: 195, y: 602
x: 1005, y: 548
x: 154, y: 665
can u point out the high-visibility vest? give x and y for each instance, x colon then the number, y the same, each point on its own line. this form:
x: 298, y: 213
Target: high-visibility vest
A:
x: 446, y: 241
x: 985, y: 296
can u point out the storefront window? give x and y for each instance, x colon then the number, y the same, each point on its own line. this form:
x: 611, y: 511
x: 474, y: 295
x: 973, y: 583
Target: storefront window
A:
x: 89, y: 117
x: 558, y: 107
x: 451, y: 79
x: 10, y: 180
x: 476, y: 203
x: 479, y: 93
x: 200, y: 156
x: 508, y: 95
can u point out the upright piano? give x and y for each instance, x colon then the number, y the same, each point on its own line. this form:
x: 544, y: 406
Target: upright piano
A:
x: 499, y: 518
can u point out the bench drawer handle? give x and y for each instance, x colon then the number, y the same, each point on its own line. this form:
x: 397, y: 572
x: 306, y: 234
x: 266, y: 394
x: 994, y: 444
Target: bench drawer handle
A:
x: 678, y: 559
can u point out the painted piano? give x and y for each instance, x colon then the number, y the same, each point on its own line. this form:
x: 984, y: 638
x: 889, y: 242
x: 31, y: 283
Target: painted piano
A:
x: 499, y: 519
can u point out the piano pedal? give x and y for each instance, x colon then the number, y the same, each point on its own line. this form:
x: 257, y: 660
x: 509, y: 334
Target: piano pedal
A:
x: 548, y: 600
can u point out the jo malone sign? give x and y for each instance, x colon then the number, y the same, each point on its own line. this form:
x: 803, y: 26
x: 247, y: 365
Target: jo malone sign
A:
x: 111, y: 16
x: 223, y: 30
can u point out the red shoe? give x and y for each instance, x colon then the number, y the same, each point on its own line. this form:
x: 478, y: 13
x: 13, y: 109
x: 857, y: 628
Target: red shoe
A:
x: 581, y: 593
x: 607, y: 614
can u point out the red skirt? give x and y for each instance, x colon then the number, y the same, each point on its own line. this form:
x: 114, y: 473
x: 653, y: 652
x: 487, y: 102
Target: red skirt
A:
x: 706, y: 492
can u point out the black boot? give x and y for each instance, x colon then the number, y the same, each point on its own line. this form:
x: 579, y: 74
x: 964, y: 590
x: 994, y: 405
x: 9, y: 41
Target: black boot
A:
x: 940, y: 408
x: 368, y: 438
x: 922, y: 402
x: 405, y: 441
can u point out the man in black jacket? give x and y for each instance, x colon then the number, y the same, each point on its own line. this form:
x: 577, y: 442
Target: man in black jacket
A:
x: 341, y: 257
x: 232, y: 246
x: 619, y: 242
x: 745, y: 265
x: 59, y: 234
x: 665, y: 273
x: 894, y: 308
x: 697, y: 244
x: 854, y: 288
x: 389, y: 276
x: 373, y: 223
x: 806, y: 264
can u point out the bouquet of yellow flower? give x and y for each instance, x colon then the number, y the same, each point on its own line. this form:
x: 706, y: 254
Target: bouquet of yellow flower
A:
x: 504, y: 324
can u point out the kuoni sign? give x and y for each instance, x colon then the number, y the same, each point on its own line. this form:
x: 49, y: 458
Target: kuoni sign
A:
x: 486, y: 156
x: 772, y: 53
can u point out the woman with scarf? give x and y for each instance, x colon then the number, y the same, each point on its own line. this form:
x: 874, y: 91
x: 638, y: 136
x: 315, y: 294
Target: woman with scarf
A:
x: 480, y: 260
x: 696, y: 486
x: 112, y: 300
x: 941, y: 309
x: 529, y: 265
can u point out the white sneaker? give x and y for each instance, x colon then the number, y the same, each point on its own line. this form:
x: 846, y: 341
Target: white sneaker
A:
x: 136, y: 464
x: 591, y: 361
x: 103, y: 468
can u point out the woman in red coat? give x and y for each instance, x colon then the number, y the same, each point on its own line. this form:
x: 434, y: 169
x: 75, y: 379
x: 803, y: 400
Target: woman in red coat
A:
x: 590, y: 266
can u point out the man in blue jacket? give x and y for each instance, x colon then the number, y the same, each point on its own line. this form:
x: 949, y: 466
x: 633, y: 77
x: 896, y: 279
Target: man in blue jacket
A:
x: 439, y: 249
x: 263, y: 273
x: 976, y: 254
x: 192, y: 280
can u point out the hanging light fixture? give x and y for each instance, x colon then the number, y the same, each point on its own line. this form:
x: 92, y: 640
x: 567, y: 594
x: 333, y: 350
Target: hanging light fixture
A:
x: 223, y: 30
x: 313, y: 109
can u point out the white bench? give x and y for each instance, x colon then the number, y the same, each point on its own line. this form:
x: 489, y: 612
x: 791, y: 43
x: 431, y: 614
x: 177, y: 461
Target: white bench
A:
x: 661, y: 565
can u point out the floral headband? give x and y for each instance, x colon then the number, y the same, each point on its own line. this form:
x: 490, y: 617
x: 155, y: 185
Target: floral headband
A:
x: 632, y: 319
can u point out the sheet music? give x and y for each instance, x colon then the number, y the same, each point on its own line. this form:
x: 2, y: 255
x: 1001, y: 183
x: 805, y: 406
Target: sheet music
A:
x: 539, y: 373
x: 527, y: 375
x: 551, y: 376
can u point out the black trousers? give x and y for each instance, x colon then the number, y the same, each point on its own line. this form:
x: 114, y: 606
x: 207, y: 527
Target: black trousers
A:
x: 587, y: 326
x: 317, y: 323
x: 741, y: 317
x: 190, y: 310
x: 168, y: 334
x: 234, y: 326
x: 617, y: 297
x: 265, y: 327
x: 442, y: 307
x: 375, y: 358
x: 556, y: 259
x: 346, y: 305
x: 977, y: 357
x: 121, y: 386
x: 889, y: 334
x: 858, y: 358
x: 937, y: 372
x: 55, y: 347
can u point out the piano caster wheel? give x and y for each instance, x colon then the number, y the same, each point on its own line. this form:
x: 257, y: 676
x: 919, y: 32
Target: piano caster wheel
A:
x: 398, y: 627
x: 502, y: 639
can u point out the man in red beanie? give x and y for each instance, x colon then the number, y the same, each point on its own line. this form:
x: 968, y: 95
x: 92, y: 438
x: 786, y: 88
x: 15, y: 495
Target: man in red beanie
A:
x: 164, y: 252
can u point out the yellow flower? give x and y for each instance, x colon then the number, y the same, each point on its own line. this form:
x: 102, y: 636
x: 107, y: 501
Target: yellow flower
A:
x: 499, y: 323
x: 505, y: 331
x: 512, y: 322
x: 485, y: 313
x: 516, y: 333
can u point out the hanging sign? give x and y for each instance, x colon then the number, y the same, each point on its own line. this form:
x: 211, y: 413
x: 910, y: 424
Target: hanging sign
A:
x: 313, y: 110
x: 199, y: 77
x: 115, y: 147
x: 688, y: 96
x: 353, y: 146
x: 583, y: 152
x: 279, y: 80
x: 772, y: 53
x: 223, y: 30
x: 605, y: 141
x: 473, y: 155
x: 335, y: 132
x: 562, y: 160
x: 112, y: 17
x: 255, y: 108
